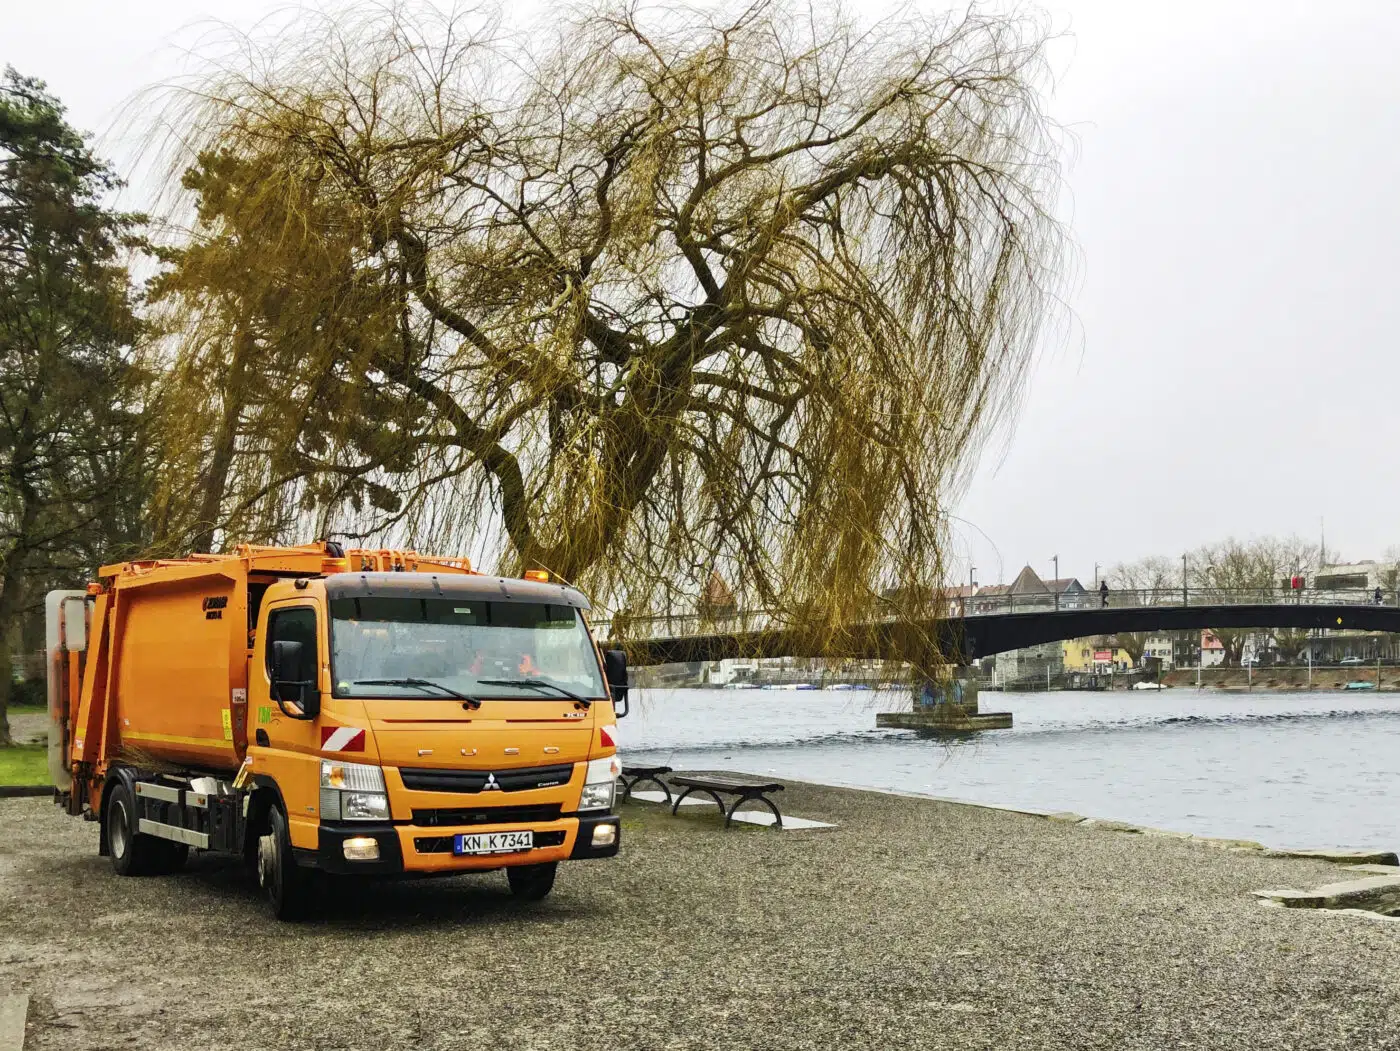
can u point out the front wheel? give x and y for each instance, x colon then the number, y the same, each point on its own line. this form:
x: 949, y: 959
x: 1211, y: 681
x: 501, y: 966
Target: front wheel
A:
x: 285, y: 885
x: 531, y: 882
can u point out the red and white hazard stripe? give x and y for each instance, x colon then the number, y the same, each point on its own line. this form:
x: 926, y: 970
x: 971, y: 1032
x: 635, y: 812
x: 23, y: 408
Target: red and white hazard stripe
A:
x: 342, y: 739
x: 608, y: 735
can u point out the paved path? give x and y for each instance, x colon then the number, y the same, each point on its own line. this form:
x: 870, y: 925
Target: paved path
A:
x: 28, y: 726
x: 913, y: 924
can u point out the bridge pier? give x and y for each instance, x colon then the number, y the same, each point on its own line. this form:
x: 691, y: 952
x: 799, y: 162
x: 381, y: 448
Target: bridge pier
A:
x: 946, y: 708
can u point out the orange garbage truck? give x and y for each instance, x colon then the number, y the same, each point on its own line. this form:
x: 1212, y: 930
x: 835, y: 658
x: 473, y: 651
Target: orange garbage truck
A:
x: 317, y: 710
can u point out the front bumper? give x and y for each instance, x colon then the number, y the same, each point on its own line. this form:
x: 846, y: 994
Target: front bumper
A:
x: 409, y: 849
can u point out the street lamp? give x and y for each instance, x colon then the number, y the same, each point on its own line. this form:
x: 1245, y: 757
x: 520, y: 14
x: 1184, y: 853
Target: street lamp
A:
x: 1054, y: 584
x: 1183, y: 581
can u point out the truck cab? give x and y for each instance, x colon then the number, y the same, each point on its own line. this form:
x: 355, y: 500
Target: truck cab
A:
x: 416, y: 724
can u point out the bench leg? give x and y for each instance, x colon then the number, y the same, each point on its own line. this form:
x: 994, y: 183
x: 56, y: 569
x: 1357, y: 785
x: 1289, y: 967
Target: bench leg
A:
x: 689, y: 789
x: 777, y: 817
x: 679, y: 800
x: 634, y: 782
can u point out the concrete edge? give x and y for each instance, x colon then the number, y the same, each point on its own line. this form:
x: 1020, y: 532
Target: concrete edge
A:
x: 19, y: 791
x: 1375, y: 894
x: 14, y: 1012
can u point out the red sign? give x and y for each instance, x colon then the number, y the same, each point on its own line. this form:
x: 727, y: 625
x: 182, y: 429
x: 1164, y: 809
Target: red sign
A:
x: 1103, y: 655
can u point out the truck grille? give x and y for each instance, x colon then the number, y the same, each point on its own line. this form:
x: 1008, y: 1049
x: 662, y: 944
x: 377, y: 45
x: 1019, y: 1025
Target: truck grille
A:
x: 443, y: 844
x: 497, y: 815
x: 477, y: 780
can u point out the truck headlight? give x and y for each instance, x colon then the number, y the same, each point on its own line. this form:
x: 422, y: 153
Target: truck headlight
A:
x: 596, y: 797
x: 599, y: 782
x: 353, y: 792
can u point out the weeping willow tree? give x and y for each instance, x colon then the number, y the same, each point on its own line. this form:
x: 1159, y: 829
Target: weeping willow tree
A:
x: 641, y: 299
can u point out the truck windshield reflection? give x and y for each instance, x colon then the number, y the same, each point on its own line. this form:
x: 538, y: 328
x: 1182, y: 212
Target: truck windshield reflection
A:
x: 470, y: 647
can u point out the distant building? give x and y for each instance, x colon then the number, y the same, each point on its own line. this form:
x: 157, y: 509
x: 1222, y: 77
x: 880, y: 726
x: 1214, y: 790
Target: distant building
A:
x: 1160, y: 647
x: 1028, y: 592
x: 1346, y: 576
x: 1031, y: 666
x: 1212, y: 650
x: 1099, y: 654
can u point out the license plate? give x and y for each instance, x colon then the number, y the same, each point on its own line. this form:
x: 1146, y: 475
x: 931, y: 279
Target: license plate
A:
x: 492, y: 842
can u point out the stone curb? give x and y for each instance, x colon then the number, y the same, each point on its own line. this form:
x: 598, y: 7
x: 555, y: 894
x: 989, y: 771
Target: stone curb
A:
x: 14, y: 1010
x: 16, y: 791
x: 1373, y: 894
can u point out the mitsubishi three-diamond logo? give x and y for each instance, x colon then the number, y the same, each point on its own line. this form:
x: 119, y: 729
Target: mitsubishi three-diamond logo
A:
x: 490, y: 784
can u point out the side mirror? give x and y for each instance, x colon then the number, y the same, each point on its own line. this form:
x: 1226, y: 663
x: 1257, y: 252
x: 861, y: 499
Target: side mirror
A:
x: 615, y: 668
x: 287, y: 684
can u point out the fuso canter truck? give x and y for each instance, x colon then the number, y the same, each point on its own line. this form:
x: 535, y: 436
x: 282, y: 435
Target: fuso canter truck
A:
x: 354, y: 712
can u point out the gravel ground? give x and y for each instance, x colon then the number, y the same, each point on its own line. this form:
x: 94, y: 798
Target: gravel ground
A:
x: 914, y: 924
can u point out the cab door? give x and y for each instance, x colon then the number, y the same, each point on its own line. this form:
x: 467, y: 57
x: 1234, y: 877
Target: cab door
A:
x: 289, y: 748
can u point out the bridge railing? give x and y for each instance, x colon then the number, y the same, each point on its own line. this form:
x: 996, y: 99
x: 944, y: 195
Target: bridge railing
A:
x: 682, y: 625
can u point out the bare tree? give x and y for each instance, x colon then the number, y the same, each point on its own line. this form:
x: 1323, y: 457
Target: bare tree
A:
x: 1154, y: 579
x: 644, y: 299
x: 1254, y: 570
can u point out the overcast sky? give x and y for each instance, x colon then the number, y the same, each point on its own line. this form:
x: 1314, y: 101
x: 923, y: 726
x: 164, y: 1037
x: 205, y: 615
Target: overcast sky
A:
x: 1231, y: 370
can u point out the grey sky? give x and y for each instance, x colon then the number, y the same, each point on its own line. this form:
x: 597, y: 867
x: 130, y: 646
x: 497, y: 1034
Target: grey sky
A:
x: 1234, y: 200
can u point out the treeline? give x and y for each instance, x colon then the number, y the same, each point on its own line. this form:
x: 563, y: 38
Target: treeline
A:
x: 79, y: 452
x: 1262, y: 563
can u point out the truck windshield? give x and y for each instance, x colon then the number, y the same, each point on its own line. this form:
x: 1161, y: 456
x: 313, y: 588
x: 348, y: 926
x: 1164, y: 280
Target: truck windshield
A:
x: 459, y: 643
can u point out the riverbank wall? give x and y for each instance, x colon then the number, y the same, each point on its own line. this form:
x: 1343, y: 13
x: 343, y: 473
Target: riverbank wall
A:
x: 1286, y: 678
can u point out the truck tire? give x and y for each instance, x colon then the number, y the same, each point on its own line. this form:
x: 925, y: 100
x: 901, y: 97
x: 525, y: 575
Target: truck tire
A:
x: 531, y: 882
x: 285, y: 884
x: 133, y: 853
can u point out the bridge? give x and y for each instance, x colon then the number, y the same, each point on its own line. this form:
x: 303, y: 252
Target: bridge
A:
x: 983, y: 626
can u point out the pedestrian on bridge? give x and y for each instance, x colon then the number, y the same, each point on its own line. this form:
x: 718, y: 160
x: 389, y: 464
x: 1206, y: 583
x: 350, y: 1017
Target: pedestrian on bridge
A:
x: 1103, y: 593
x: 1379, y: 600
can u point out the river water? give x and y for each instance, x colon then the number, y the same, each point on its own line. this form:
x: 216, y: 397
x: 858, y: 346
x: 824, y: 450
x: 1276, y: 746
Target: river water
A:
x: 1297, y: 770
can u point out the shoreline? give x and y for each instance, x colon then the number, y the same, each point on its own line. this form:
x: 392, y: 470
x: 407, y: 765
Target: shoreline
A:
x: 1342, y: 855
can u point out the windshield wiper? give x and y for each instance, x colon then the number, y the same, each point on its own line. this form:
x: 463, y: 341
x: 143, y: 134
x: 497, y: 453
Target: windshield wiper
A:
x: 447, y: 690
x: 536, y: 684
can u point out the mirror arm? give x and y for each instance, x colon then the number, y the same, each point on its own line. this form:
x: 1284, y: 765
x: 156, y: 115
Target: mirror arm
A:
x: 289, y: 713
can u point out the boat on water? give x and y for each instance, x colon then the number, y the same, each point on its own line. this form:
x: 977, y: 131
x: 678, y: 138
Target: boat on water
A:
x: 741, y: 686
x: 1149, y: 686
x: 1359, y: 686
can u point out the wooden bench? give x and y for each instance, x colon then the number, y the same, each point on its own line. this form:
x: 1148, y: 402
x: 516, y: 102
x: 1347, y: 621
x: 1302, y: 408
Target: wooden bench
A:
x: 744, y: 791
x: 632, y: 776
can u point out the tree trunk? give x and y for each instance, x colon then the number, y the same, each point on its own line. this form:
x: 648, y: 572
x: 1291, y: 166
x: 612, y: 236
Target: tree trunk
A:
x: 12, y: 581
x: 225, y: 442
x: 6, y: 683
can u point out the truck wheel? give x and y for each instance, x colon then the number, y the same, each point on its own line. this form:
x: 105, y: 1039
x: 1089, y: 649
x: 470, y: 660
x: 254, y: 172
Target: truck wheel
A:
x: 284, y: 883
x: 531, y: 882
x: 133, y: 853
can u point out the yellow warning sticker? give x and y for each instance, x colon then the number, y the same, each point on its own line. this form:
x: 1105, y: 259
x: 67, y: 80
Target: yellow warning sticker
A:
x: 228, y: 724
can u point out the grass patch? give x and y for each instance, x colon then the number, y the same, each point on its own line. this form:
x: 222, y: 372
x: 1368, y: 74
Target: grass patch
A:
x: 25, y: 764
x: 26, y: 709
